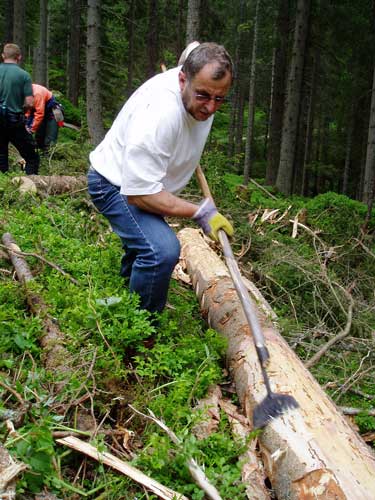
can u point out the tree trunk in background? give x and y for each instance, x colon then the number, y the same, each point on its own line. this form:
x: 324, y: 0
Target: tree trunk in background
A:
x: 152, y: 38
x: 40, y: 66
x: 279, y: 64
x: 74, y: 51
x: 8, y: 21
x: 237, y: 101
x: 192, y: 21
x: 291, y: 115
x: 348, y: 149
x: 238, y: 139
x: 308, y: 153
x: 362, y: 159
x: 250, y: 121
x: 130, y: 58
x: 93, y: 97
x: 19, y: 27
x: 369, y: 174
x: 180, y: 28
x: 302, y: 153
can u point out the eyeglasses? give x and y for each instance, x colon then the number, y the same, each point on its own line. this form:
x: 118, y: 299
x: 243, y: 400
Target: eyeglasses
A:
x: 206, y: 98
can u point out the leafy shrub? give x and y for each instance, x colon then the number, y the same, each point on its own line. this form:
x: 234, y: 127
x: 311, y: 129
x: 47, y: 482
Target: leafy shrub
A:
x: 338, y: 216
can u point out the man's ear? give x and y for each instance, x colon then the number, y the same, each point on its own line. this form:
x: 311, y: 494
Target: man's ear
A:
x: 182, y: 80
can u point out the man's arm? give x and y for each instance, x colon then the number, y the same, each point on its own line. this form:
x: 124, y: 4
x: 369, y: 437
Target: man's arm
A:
x: 29, y: 102
x: 164, y: 203
x: 39, y: 106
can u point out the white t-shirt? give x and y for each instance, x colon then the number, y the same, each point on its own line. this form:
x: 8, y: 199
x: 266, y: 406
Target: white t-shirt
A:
x: 154, y: 144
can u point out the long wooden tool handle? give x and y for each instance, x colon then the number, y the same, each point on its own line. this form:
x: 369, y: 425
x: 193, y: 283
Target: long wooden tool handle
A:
x: 235, y: 273
x: 203, y: 182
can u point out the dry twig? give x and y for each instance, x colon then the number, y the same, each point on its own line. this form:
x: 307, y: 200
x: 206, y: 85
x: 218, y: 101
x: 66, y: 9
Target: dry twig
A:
x: 196, y: 472
x: 122, y: 466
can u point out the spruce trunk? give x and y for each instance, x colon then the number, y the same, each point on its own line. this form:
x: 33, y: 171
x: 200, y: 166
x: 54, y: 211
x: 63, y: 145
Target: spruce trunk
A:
x: 308, y: 453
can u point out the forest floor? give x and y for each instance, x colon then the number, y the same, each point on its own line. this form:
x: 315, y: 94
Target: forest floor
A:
x: 318, y: 276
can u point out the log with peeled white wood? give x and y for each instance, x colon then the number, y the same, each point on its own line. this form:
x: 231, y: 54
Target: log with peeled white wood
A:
x: 310, y: 452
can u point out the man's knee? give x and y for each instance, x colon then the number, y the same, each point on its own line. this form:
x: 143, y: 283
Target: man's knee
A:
x: 171, y: 253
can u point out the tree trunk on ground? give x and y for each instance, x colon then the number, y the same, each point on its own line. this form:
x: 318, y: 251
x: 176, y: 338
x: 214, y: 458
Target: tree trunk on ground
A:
x: 40, y: 64
x: 291, y: 114
x: 19, y: 25
x: 50, y: 184
x: 53, y: 340
x: 369, y: 175
x: 311, y: 452
x: 251, y: 113
x: 279, y: 65
x: 74, y: 51
x: 192, y: 21
x: 93, y: 97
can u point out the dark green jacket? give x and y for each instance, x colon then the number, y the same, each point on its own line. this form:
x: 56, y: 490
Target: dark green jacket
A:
x: 15, y: 85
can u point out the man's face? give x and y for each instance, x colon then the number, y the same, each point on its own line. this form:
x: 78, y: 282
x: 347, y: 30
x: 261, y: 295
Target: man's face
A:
x: 198, y: 95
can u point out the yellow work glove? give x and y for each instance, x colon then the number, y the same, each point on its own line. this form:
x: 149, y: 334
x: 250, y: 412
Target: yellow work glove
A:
x: 211, y: 221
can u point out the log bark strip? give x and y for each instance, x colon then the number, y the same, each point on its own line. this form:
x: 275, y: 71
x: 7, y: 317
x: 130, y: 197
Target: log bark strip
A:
x: 309, y: 453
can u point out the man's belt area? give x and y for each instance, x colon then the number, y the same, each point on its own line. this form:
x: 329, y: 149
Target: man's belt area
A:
x: 12, y: 118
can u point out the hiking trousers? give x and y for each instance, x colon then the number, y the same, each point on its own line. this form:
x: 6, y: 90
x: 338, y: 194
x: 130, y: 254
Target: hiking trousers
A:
x: 13, y: 131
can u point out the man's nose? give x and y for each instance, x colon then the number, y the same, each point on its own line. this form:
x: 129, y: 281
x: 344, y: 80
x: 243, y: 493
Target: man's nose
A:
x: 212, y: 106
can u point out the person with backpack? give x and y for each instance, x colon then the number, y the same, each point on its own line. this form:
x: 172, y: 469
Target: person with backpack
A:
x: 16, y: 95
x: 45, y: 117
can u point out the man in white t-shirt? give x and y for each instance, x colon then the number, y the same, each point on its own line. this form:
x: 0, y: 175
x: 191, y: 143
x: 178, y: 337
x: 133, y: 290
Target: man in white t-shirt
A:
x: 148, y: 156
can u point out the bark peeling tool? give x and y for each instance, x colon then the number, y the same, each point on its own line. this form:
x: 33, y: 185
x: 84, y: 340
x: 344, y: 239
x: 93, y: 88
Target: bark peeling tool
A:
x: 274, y: 404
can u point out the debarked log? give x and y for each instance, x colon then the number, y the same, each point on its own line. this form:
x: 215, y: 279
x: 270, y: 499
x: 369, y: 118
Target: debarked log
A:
x: 308, y: 453
x: 50, y: 184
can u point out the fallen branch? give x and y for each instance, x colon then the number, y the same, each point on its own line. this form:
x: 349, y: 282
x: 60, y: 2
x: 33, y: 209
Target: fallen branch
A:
x: 263, y: 189
x: 196, y: 472
x: 9, y: 470
x: 43, y: 259
x: 344, y: 333
x: 347, y: 410
x: 120, y: 465
x: 53, y: 340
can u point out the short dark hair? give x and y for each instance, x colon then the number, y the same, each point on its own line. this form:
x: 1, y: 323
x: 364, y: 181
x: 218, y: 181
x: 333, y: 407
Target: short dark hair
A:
x: 206, y: 53
x: 11, y: 51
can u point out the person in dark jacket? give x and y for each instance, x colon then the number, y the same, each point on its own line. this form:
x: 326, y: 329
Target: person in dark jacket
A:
x: 16, y: 95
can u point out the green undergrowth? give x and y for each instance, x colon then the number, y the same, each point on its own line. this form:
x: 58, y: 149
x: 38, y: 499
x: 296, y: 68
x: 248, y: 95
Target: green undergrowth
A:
x: 312, y: 259
x: 78, y: 279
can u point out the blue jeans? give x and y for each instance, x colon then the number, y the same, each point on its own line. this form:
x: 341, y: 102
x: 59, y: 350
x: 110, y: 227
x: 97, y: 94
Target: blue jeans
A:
x: 151, y: 246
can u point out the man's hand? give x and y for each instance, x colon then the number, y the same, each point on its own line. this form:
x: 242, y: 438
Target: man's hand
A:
x: 211, y: 221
